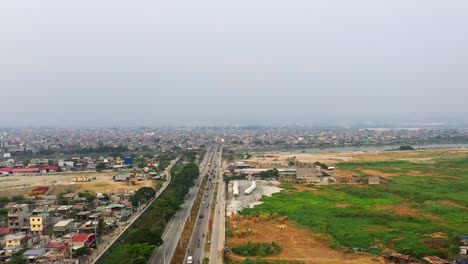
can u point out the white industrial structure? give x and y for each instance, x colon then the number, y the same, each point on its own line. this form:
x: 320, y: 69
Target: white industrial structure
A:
x: 251, y: 188
x: 235, y: 188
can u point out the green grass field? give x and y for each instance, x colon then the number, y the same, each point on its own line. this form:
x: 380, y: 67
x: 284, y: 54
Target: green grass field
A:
x: 353, y: 216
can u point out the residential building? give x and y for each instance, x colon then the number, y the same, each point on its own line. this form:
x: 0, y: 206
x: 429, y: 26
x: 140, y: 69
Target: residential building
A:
x: 18, y: 217
x: 34, y: 254
x: 39, y: 220
x: 71, y: 196
x: 62, y: 227
x: 307, y: 175
x: 84, y: 240
x: 15, y: 240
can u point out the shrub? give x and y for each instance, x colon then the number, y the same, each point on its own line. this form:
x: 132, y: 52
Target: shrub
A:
x: 257, y: 249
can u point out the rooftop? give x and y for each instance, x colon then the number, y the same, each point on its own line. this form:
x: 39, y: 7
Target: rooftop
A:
x: 34, y: 252
x: 63, y: 222
x: 17, y: 236
x: 80, y: 238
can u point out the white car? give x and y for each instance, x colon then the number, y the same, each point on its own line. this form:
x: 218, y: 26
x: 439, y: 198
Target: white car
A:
x: 189, y: 260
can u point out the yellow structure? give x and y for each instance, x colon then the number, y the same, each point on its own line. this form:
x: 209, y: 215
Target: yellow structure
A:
x: 15, y: 240
x: 37, y: 223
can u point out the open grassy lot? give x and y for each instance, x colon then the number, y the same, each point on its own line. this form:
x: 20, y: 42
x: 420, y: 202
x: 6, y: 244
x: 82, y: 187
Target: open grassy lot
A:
x: 418, y: 211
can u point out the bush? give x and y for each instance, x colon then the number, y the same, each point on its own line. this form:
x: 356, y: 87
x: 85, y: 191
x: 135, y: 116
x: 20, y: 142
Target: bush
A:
x: 252, y: 249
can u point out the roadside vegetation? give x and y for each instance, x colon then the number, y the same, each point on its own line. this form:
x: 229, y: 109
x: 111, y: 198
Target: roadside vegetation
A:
x: 253, y: 249
x: 417, y: 215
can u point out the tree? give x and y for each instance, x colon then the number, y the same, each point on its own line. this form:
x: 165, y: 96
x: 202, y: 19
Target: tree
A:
x: 89, y: 196
x: 140, y: 162
x: 101, y: 226
x: 17, y: 259
x: 406, y: 148
x: 26, y: 162
x: 17, y: 198
x: 145, y: 236
x: 139, y: 252
x: 144, y: 194
x: 100, y: 166
x: 82, y: 251
x: 269, y: 174
x: 292, y: 161
x: 62, y: 201
x: 147, y: 155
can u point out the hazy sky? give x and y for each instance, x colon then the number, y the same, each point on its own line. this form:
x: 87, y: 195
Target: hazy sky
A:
x: 89, y: 63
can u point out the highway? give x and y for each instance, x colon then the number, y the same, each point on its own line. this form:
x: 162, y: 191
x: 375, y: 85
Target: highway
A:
x: 196, y: 247
x: 219, y: 224
x: 175, y: 227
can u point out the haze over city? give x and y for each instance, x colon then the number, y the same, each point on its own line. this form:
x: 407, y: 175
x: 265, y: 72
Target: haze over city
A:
x: 108, y: 63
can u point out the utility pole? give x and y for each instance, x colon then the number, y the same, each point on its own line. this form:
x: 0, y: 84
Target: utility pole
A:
x: 95, y: 234
x: 180, y: 226
x: 164, y: 253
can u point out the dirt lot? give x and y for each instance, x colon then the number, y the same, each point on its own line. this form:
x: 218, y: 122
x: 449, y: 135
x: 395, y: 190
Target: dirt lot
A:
x: 324, y: 157
x: 14, y: 185
x: 331, y: 158
x: 297, y: 244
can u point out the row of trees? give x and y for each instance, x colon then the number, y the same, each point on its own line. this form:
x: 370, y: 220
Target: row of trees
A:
x: 143, y: 195
x: 273, y: 173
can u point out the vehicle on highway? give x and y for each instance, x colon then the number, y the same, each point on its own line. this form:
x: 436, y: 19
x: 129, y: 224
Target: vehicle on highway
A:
x: 189, y: 260
x: 204, y: 202
x: 201, y: 216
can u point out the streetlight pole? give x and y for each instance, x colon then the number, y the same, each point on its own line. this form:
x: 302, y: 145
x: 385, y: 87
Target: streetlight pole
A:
x: 164, y: 253
x: 96, y: 235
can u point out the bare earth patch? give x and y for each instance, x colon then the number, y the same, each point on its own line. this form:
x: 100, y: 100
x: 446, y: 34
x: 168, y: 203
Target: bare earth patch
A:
x: 438, y: 235
x: 297, y: 244
x: 103, y: 182
x: 343, y: 205
x: 400, y: 209
x: 380, y: 173
x: 452, y: 203
x: 405, y: 210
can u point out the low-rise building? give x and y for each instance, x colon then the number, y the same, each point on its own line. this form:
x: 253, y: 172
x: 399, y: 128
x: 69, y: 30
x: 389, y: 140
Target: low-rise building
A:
x: 38, y: 223
x: 18, y: 217
x: 307, y: 175
x: 84, y: 240
x: 34, y: 254
x: 62, y: 227
x: 71, y: 196
x: 65, y: 209
x: 16, y: 240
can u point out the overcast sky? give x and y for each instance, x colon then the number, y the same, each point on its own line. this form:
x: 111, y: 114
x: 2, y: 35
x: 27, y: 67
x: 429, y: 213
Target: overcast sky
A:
x: 265, y: 62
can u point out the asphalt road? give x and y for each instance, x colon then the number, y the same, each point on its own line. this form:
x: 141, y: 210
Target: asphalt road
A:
x: 175, y: 227
x: 218, y: 231
x: 196, y: 247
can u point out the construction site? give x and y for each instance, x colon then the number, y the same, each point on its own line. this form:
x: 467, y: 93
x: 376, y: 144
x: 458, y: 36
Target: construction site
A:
x: 246, y: 194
